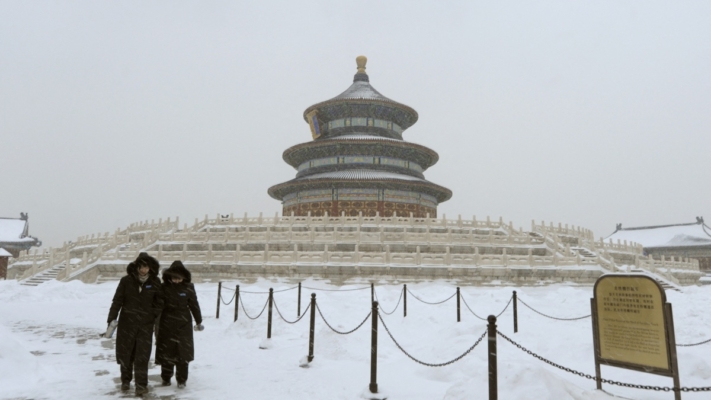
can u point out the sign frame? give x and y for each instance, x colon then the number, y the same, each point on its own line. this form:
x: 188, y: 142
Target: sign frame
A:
x: 673, y: 368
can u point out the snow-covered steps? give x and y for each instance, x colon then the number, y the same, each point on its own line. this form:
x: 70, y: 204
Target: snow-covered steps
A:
x: 666, y: 285
x: 44, y: 276
x: 584, y: 252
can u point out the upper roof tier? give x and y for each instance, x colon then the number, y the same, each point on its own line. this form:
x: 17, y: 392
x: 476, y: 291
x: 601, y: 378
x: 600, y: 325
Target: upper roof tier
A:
x: 361, y: 100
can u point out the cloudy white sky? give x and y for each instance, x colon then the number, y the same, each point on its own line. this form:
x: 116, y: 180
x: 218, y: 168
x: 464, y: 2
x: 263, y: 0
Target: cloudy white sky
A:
x: 586, y: 113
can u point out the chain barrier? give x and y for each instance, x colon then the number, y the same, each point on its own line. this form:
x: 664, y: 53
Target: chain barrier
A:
x: 693, y: 344
x: 484, y: 319
x: 507, y: 306
x: 396, y: 305
x: 267, y: 292
x: 425, y: 363
x: 335, y: 290
x: 426, y: 302
x: 551, y: 317
x: 286, y: 320
x: 337, y: 331
x: 231, y: 300
x: 260, y: 313
x: 603, y: 380
x: 472, y: 311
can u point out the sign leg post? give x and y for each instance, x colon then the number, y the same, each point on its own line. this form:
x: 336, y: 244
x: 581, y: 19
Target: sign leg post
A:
x: 671, y: 337
x: 596, y: 342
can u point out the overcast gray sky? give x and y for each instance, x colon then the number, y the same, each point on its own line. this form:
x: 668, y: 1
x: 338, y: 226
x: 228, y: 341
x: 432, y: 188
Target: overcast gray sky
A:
x: 586, y: 113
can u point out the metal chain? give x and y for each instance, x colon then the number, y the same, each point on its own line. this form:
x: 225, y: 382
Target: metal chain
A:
x: 286, y: 320
x: 230, y: 302
x: 426, y: 302
x: 471, y: 311
x: 551, y: 317
x: 335, y: 290
x: 507, y: 306
x: 694, y: 344
x: 484, y: 319
x: 274, y: 291
x: 260, y: 313
x: 396, y: 305
x: 425, y: 363
x: 603, y: 380
x: 337, y: 331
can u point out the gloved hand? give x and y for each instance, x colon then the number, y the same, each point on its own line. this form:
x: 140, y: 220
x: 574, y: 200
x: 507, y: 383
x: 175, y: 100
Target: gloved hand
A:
x: 199, y: 328
x: 110, y: 328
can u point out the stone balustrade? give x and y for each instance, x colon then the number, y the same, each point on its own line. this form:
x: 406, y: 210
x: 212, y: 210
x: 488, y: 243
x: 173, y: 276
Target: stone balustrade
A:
x: 338, y: 243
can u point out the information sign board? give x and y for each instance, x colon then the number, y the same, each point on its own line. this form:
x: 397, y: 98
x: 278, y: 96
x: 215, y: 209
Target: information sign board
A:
x: 633, y: 326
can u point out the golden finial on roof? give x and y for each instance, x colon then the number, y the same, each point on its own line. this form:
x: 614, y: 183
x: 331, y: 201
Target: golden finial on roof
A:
x: 360, y: 61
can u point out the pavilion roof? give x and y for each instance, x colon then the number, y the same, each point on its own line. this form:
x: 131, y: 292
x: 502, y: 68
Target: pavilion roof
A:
x: 14, y: 230
x: 677, y: 235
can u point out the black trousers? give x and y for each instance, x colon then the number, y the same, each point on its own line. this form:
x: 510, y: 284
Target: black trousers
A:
x: 181, y: 371
x: 138, y: 365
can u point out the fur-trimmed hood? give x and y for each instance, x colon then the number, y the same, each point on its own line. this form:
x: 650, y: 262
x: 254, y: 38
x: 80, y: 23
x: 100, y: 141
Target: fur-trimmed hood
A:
x: 153, y: 264
x: 143, y: 258
x: 176, y: 269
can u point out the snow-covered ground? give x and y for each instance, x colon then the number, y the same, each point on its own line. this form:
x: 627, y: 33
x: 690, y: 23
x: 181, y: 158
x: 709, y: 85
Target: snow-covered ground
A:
x: 50, y: 348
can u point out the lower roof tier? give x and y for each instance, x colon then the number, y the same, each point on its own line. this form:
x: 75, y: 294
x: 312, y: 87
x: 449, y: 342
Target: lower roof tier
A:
x: 320, y: 166
x: 360, y: 145
x: 360, y: 179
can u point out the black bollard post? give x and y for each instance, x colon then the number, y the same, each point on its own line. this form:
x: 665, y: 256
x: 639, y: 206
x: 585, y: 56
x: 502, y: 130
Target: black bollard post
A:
x: 374, y: 351
x: 372, y: 293
x: 219, y: 294
x: 236, y: 301
x: 515, y: 304
x: 312, y: 327
x: 269, y: 322
x: 493, y: 386
x: 404, y: 298
x: 459, y: 306
x: 298, y: 302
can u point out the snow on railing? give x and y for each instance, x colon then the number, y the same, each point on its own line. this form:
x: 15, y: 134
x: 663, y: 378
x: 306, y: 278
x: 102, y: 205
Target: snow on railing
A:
x: 125, y: 244
x: 95, y: 244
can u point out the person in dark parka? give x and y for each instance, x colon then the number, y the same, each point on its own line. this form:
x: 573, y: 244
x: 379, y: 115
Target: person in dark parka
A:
x: 136, y: 303
x: 175, y: 346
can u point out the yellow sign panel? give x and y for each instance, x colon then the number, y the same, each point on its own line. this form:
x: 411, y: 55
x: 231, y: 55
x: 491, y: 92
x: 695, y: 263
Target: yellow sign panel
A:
x: 630, y: 315
x: 313, y: 124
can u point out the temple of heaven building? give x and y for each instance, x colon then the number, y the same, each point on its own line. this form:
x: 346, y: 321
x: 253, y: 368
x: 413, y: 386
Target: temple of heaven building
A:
x: 358, y: 162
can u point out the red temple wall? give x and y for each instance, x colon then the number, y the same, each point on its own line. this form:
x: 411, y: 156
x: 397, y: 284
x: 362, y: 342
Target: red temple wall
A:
x: 352, y: 208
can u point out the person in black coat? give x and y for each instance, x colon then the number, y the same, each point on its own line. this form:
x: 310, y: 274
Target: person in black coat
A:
x: 136, y: 303
x: 174, y: 348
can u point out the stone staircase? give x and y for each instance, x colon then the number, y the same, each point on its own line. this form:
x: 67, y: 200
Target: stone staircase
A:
x: 584, y: 252
x: 666, y: 285
x: 44, y: 276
